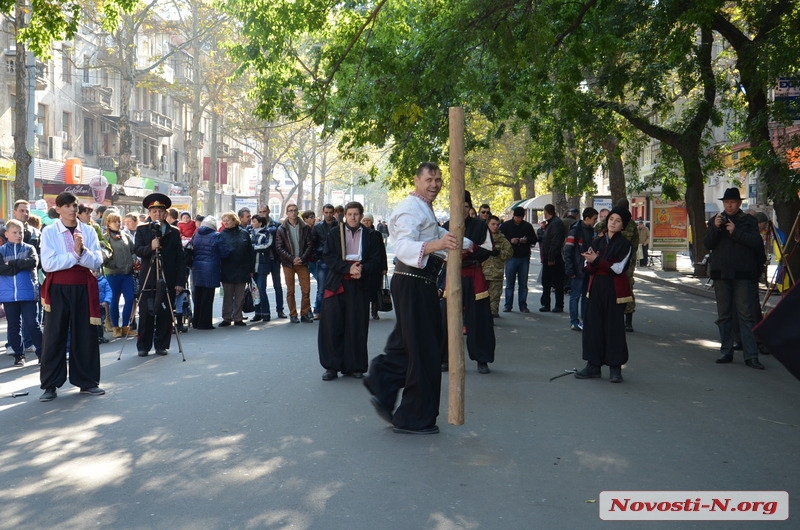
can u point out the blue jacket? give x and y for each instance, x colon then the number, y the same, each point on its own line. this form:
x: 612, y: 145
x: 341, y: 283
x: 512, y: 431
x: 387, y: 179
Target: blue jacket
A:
x: 18, y: 277
x: 208, y: 251
x: 104, y: 290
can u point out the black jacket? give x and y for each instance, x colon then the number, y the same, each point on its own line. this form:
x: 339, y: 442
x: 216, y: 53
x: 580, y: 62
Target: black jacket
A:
x: 238, y: 266
x: 510, y: 229
x: 373, y: 258
x: 173, y: 260
x: 736, y: 256
x: 553, y: 240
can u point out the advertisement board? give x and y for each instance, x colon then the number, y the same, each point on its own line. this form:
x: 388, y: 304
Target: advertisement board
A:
x: 669, y: 230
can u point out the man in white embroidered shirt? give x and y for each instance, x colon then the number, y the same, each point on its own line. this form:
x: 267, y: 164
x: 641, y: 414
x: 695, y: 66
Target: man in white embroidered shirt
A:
x: 70, y: 250
x: 411, y: 358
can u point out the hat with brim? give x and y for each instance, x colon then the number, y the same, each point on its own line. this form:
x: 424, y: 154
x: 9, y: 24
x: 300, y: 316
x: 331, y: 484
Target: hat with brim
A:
x: 156, y: 200
x: 731, y: 194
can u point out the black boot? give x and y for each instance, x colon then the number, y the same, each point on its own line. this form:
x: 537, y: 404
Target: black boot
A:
x: 179, y: 321
x: 590, y: 371
x: 629, y: 322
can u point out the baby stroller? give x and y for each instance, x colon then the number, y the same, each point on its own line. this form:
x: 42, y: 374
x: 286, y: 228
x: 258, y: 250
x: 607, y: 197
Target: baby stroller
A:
x: 183, y: 310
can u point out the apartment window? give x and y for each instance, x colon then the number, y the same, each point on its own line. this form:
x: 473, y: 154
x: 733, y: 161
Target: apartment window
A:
x: 66, y: 65
x: 86, y: 69
x: 66, y: 124
x: 88, y: 136
x: 41, y: 119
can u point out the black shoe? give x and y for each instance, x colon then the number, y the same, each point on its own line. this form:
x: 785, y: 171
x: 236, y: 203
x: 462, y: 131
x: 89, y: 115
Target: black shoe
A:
x: 544, y: 309
x: 257, y: 318
x: 427, y: 430
x: 19, y: 360
x: 307, y: 319
x: 133, y: 325
x: 294, y: 320
x: 445, y: 367
x: 629, y: 329
x: 225, y: 323
x: 143, y: 353
x: 329, y: 375
x: 384, y: 413
x: 48, y: 395
x: 96, y: 391
x: 506, y: 310
x: 483, y: 368
x: 737, y: 346
x: 239, y: 323
x: 161, y: 352
x: 589, y: 371
x: 616, y: 374
x: 267, y: 318
x: 754, y: 363
x: 357, y: 375
x: 102, y: 340
x: 558, y: 310
x: 524, y: 310
x: 725, y: 359
x: 495, y: 315
x: 281, y: 314
x: 180, y: 328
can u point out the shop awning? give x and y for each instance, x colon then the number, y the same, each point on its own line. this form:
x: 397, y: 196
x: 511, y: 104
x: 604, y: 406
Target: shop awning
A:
x: 515, y: 204
x: 537, y: 203
x: 8, y: 169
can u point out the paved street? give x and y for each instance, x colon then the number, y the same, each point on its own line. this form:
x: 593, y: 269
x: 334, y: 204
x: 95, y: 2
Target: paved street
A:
x: 245, y: 434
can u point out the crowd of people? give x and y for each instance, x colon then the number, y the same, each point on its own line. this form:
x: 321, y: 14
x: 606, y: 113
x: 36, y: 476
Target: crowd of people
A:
x: 157, y: 273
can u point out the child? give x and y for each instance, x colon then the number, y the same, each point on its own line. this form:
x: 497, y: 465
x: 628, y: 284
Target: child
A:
x: 105, y: 302
x: 187, y: 227
x: 19, y: 290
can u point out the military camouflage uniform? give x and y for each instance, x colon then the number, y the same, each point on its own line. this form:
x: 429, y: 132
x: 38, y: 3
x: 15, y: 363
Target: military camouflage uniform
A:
x: 493, y: 269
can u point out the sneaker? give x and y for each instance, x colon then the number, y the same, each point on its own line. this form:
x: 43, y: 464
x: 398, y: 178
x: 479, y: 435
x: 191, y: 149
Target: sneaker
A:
x: 96, y: 391
x: 30, y: 349
x: 49, y: 394
x: 19, y: 360
x: 576, y: 327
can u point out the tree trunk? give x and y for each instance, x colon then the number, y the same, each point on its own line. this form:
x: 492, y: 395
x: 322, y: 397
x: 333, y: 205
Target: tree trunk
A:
x: 22, y: 155
x: 616, y: 169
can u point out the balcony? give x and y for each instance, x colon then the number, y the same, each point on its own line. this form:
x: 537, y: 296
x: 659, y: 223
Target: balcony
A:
x: 98, y: 99
x: 223, y: 150
x: 42, y: 75
x: 151, y: 123
x: 235, y: 156
x: 107, y: 163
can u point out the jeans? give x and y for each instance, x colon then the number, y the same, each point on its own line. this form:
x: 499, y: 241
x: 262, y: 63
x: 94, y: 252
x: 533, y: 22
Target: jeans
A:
x: 322, y: 275
x: 121, y: 284
x: 517, y: 269
x: 262, y: 308
x: 23, y: 315
x: 577, y: 296
x: 736, y: 295
x: 275, y: 271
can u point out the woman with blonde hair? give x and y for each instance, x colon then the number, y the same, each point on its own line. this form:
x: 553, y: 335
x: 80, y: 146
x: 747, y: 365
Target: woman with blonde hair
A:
x: 118, y: 260
x: 237, y: 269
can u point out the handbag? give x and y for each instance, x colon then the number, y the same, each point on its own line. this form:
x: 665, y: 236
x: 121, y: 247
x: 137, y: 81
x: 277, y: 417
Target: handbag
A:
x: 384, y: 296
x: 248, y: 306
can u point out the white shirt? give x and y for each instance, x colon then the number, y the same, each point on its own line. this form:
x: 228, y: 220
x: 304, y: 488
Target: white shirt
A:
x: 412, y: 225
x: 57, y: 248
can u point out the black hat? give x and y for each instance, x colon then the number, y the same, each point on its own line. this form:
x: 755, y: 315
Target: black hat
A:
x: 156, y: 200
x: 624, y: 213
x: 731, y: 194
x: 574, y: 210
x: 519, y: 211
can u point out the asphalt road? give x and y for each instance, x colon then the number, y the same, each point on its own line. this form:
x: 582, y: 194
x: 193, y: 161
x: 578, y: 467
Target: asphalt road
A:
x: 245, y: 434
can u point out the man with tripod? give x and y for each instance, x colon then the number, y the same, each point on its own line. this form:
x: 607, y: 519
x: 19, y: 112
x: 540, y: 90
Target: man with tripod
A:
x: 161, y: 278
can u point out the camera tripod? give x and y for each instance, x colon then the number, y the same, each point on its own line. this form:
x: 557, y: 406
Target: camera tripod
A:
x: 158, y: 300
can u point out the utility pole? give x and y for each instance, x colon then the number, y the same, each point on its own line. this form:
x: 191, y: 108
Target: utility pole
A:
x: 30, y: 136
x: 212, y: 178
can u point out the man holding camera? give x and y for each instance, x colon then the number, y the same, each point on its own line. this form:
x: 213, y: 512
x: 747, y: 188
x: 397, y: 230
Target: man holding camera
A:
x: 736, y: 263
x: 159, y: 246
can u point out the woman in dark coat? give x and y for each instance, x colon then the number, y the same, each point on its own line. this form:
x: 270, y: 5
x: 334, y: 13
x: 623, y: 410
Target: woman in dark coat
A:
x: 237, y: 269
x: 607, y: 260
x: 208, y: 249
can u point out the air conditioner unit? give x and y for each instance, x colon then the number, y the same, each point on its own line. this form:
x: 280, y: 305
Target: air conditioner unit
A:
x: 64, y: 137
x: 54, y: 148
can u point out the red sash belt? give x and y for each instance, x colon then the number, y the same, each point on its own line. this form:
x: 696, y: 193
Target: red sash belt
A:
x: 77, y: 275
